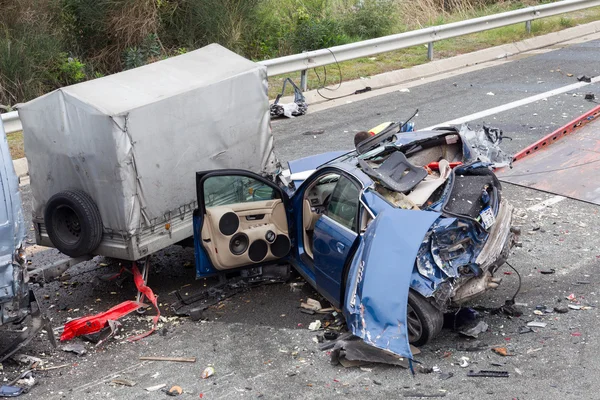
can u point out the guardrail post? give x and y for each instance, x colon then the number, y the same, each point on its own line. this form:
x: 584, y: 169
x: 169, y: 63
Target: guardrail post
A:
x: 528, y: 26
x: 430, y: 51
x: 304, y: 80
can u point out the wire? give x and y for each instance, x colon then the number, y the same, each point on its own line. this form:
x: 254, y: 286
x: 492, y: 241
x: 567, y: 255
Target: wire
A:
x: 556, y: 169
x: 322, y: 85
x: 519, y: 288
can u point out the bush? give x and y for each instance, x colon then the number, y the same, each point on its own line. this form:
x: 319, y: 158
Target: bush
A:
x: 313, y: 34
x: 30, y: 50
x: 371, y: 19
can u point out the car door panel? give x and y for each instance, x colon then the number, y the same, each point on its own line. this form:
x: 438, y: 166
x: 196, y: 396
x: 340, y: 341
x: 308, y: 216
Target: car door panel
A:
x: 241, y: 221
x: 252, y: 222
x: 332, y: 244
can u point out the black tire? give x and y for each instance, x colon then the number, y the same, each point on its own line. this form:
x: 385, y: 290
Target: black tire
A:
x: 424, y: 320
x: 73, y: 222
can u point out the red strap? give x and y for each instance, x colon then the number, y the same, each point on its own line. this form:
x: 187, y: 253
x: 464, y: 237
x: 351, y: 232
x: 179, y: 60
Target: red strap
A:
x: 95, y: 323
x: 146, y: 291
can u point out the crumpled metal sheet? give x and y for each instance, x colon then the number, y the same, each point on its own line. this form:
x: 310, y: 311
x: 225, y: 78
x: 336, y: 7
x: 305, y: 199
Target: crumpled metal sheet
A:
x: 484, y: 145
x: 380, y: 276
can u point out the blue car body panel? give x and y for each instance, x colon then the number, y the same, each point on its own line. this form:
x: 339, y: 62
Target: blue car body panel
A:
x: 380, y: 277
x: 313, y: 162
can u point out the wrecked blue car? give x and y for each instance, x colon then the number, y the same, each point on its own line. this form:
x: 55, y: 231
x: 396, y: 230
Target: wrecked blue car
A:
x: 392, y: 233
x: 17, y: 301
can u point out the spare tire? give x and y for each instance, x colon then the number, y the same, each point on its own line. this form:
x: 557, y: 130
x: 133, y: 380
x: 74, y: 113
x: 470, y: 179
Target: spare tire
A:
x: 73, y: 222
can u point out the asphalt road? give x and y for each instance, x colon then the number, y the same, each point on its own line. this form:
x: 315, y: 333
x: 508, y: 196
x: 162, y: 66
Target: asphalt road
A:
x: 258, y: 341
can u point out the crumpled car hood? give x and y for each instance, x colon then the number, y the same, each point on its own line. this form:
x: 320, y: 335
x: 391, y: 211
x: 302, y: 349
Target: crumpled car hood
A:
x: 380, y: 275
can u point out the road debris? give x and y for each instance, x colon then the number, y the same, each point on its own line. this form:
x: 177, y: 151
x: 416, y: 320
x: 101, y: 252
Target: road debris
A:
x: 584, y: 78
x: 561, y: 309
x: 503, y: 351
x: 290, y: 110
x: 10, y: 391
x: 95, y: 323
x: 174, y: 359
x: 311, y: 304
x: 175, y: 391
x: 420, y: 394
x: 354, y: 352
x: 489, y: 374
x: 314, y: 326
x: 476, y: 330
x: 208, y: 372
x: 537, y: 324
x: 155, y: 388
x: 123, y: 382
x: 590, y: 96
x: 547, y: 272
x: 76, y: 348
x: 464, y: 362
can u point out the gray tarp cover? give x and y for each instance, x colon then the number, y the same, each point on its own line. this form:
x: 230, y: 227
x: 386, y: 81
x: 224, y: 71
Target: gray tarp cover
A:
x: 134, y: 140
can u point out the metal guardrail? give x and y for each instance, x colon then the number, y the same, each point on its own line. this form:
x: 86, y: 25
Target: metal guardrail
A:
x: 11, y: 121
x: 318, y: 58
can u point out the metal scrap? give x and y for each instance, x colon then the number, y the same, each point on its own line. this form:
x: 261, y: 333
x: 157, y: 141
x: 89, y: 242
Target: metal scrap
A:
x: 489, y: 374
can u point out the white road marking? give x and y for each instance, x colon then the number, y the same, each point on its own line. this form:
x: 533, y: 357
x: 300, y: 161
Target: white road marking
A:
x: 548, y: 202
x: 515, y: 104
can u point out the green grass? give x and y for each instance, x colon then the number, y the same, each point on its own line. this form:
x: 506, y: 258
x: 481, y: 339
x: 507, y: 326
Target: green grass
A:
x: 15, y: 144
x: 406, y: 58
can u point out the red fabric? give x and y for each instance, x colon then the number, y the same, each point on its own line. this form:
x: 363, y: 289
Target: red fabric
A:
x: 146, y: 291
x: 95, y: 323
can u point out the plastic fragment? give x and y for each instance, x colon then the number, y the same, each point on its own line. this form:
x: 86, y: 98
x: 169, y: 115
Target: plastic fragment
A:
x: 208, y: 372
x: 155, y: 388
x: 503, y: 351
x: 124, y: 382
x: 314, y: 326
x: 175, y: 391
x: 537, y: 324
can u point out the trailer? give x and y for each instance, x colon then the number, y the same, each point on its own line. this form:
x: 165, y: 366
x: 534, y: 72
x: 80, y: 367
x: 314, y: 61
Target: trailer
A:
x: 112, y: 161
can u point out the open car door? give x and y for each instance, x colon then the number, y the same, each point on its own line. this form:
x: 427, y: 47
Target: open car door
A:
x: 241, y: 221
x: 376, y: 298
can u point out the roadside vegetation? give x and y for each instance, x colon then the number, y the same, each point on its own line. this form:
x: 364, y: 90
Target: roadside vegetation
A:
x: 46, y: 44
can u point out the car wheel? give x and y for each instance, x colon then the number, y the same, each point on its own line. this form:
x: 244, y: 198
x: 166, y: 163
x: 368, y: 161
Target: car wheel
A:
x: 424, y: 320
x: 73, y: 222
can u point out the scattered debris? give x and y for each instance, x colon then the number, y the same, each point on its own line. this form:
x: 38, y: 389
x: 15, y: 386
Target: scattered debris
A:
x: 476, y: 330
x: 95, y: 323
x: 208, y: 372
x: 311, y: 304
x: 26, y: 360
x: 156, y: 387
x: 525, y: 329
x: 471, y: 346
x: 537, y: 324
x: 489, y: 374
x: 76, y: 348
x: 290, y: 110
x: 174, y: 359
x: 576, y: 334
x: 123, y: 382
x: 175, y: 391
x: 490, y: 93
x: 445, y: 375
x: 547, y: 272
x: 571, y: 297
x: 10, y: 391
x: 574, y: 307
x: 561, y: 309
x: 464, y: 362
x: 518, y: 371
x: 584, y: 78
x: 355, y: 352
x: 419, y: 394
x: 503, y: 351
x: 314, y: 326
x: 590, y: 96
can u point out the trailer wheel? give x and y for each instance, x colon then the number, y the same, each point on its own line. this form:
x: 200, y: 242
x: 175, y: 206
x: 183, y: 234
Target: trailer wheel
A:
x: 73, y: 222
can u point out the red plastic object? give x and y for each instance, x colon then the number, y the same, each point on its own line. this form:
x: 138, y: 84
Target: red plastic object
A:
x: 435, y: 166
x: 95, y: 323
x: 146, y: 291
